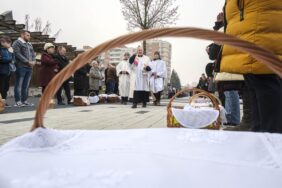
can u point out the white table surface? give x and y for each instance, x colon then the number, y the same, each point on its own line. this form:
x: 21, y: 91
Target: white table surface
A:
x: 165, y: 158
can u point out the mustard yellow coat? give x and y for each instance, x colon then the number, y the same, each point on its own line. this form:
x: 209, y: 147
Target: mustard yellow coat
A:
x: 261, y: 24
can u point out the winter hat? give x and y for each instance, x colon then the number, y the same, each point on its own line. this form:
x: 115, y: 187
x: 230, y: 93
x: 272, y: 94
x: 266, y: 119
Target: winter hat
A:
x: 48, y: 45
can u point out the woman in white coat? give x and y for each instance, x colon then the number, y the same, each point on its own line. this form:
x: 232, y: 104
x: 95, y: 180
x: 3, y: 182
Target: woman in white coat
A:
x: 157, y: 76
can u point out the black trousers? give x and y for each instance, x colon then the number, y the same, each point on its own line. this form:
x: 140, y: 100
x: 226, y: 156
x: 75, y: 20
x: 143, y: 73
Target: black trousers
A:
x: 266, y: 102
x: 158, y: 96
x: 81, y: 92
x: 66, y: 87
x: 124, y: 99
x: 4, y: 85
x: 140, y: 96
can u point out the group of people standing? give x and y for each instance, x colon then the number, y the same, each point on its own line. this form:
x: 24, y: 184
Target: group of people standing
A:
x: 18, y: 58
x: 139, y: 77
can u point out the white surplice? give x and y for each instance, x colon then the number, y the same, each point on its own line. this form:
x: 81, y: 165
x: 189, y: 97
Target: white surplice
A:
x: 124, y: 79
x: 159, y: 67
x: 139, y: 78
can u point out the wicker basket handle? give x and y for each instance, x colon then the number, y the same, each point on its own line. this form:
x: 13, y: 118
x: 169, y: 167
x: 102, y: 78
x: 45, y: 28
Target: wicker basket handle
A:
x: 201, y: 93
x: 265, y: 56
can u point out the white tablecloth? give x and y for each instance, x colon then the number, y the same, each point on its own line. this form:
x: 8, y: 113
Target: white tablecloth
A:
x: 165, y: 158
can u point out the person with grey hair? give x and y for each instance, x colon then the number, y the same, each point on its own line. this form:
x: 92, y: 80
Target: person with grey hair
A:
x: 139, y: 78
x: 123, y: 73
x: 94, y: 78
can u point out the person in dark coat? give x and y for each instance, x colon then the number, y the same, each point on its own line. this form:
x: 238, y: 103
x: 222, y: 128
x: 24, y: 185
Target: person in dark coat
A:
x: 62, y: 63
x: 111, y: 79
x: 6, y: 58
x: 49, y: 66
x: 81, y: 81
x: 203, y: 83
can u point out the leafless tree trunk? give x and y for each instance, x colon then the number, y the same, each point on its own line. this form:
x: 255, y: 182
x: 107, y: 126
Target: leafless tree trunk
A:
x: 147, y: 14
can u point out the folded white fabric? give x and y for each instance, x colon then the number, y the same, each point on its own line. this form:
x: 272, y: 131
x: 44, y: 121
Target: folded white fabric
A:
x: 196, y: 118
x: 93, y: 99
x: 103, y: 95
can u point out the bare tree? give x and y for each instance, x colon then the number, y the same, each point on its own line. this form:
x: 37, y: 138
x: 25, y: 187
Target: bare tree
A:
x: 27, y: 22
x: 47, y: 29
x: 56, y: 35
x: 38, y: 24
x: 147, y: 14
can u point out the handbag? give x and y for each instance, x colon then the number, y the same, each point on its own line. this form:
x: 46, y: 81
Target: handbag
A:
x: 93, y: 99
x: 12, y: 67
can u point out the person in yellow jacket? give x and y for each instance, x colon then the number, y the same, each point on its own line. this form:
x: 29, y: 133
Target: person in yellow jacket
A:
x: 260, y: 22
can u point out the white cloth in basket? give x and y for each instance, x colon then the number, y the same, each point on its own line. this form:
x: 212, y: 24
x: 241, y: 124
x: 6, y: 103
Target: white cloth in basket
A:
x: 93, y: 99
x: 196, y: 118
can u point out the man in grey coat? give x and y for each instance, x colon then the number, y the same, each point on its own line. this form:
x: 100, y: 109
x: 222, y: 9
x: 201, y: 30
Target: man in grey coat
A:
x: 24, y: 60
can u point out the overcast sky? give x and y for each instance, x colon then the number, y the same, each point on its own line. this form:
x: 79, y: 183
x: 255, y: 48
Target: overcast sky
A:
x: 90, y: 22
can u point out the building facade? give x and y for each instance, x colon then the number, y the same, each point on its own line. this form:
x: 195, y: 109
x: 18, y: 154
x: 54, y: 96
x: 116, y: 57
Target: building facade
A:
x: 115, y: 55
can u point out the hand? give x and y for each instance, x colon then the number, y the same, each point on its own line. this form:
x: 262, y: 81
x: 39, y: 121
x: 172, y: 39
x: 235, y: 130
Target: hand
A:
x: 31, y: 63
x: 220, y: 17
x: 208, y: 49
x: 87, y: 74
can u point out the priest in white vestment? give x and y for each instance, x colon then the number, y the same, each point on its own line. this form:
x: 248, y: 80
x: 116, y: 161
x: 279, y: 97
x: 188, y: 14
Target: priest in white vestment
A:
x: 139, y: 78
x: 157, y: 77
x: 123, y: 73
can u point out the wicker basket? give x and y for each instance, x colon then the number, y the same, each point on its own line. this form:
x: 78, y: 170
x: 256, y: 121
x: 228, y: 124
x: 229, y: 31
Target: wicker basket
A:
x: 261, y: 54
x: 172, y: 122
x: 2, y: 105
x: 113, y: 99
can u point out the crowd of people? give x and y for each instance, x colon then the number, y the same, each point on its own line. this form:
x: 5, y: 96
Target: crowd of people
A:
x: 135, y: 78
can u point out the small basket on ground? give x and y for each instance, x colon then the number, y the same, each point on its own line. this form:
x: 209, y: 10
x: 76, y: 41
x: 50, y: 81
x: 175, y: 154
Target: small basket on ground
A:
x: 113, y: 99
x: 102, y: 98
x: 199, y: 94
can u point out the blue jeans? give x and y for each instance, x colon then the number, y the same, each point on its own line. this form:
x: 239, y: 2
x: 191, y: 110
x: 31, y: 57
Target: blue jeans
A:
x: 232, y: 107
x: 23, y: 77
x: 111, y: 86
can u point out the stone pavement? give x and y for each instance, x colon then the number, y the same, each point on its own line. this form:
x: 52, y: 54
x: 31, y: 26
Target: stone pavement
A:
x: 17, y: 121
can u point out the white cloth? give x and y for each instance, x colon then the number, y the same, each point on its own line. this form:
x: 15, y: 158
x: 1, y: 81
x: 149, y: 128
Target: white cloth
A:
x: 124, y: 79
x: 196, y: 118
x: 139, y: 78
x: 139, y: 158
x: 93, y: 99
x: 158, y: 67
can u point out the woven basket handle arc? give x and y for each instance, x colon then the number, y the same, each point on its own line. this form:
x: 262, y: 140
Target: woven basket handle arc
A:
x: 264, y: 56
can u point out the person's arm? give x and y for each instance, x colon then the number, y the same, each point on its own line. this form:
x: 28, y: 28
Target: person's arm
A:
x: 118, y: 70
x: 7, y: 57
x: 32, y: 53
x: 18, y: 55
x: 163, y: 72
x: 48, y: 61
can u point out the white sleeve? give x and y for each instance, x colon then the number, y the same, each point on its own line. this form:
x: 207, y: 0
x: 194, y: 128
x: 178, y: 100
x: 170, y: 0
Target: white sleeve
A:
x: 162, y: 72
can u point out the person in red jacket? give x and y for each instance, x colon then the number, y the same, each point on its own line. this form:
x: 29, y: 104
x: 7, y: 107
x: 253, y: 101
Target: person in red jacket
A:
x: 49, y: 65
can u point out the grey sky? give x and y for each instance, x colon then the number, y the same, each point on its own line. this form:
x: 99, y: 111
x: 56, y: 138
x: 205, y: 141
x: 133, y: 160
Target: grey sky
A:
x: 90, y: 22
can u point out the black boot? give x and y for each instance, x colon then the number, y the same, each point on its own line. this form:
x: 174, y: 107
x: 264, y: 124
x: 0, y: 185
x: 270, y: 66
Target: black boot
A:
x: 144, y: 105
x: 134, y: 105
